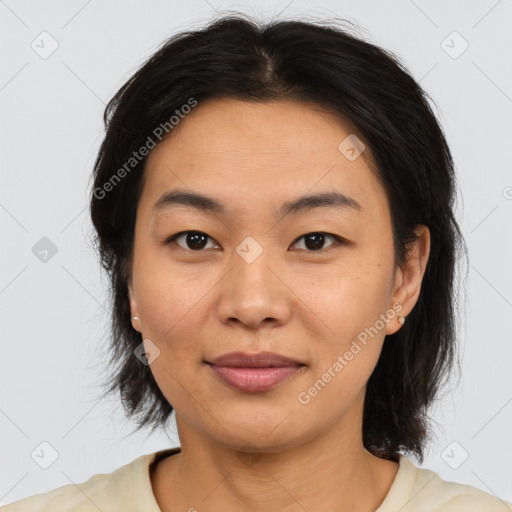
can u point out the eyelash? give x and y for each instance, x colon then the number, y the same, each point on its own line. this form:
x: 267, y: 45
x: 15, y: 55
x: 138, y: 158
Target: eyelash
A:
x: 338, y: 240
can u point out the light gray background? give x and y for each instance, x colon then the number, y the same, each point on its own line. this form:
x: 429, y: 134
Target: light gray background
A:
x: 54, y: 318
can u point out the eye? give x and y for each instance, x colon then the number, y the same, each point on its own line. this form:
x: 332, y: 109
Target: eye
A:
x: 315, y: 241
x: 198, y: 240
x: 193, y: 240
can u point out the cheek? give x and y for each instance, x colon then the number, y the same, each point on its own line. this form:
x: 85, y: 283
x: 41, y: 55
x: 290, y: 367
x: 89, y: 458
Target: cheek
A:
x: 347, y: 296
x: 168, y: 293
x: 174, y: 319
x: 347, y: 352
x: 349, y: 309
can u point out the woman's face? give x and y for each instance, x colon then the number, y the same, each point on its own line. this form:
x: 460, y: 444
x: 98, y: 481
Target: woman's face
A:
x: 252, y: 281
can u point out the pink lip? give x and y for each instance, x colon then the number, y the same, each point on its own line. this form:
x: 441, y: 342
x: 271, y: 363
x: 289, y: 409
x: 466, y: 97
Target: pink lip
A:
x: 254, y: 379
x: 254, y: 372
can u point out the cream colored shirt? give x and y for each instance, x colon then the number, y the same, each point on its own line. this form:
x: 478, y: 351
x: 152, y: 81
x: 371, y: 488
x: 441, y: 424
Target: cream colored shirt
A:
x: 128, y: 489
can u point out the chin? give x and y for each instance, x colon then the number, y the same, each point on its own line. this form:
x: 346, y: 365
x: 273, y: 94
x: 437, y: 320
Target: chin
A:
x: 249, y: 435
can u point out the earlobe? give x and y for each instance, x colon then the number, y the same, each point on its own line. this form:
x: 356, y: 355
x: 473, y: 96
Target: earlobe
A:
x: 397, y: 320
x: 134, y: 310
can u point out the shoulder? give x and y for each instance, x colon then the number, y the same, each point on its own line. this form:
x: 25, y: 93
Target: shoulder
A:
x: 420, y: 489
x: 443, y: 495
x: 126, y: 488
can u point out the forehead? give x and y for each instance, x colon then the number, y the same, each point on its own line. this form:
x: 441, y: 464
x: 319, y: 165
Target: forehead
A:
x: 256, y: 154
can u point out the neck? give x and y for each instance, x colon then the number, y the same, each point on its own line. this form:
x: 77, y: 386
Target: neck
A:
x: 332, y: 472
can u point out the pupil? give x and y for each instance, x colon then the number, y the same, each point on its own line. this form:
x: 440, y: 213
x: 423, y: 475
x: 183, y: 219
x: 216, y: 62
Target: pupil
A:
x: 196, y: 240
x: 318, y: 240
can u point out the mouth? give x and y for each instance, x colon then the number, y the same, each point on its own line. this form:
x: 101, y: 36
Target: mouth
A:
x: 254, y: 372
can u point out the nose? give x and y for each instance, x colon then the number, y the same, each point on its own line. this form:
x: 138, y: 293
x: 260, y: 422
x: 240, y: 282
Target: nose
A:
x: 255, y: 293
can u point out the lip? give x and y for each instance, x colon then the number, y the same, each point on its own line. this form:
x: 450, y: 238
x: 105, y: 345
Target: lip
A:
x: 254, y: 372
x: 259, y: 360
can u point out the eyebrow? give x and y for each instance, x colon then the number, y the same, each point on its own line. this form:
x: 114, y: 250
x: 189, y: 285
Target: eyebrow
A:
x: 211, y: 205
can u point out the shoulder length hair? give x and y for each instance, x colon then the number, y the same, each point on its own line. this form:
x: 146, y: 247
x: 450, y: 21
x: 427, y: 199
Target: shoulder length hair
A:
x: 324, y: 65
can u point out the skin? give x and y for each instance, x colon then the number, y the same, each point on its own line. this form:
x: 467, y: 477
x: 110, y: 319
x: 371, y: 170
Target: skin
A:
x: 309, y: 305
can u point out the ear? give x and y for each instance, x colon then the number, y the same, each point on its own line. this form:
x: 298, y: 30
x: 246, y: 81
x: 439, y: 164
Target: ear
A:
x: 408, y: 279
x: 134, y: 309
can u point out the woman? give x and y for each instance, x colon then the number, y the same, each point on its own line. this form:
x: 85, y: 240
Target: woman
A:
x: 274, y: 208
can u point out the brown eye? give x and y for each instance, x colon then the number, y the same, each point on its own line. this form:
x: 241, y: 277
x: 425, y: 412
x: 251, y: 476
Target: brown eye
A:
x: 191, y: 240
x: 315, y: 241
